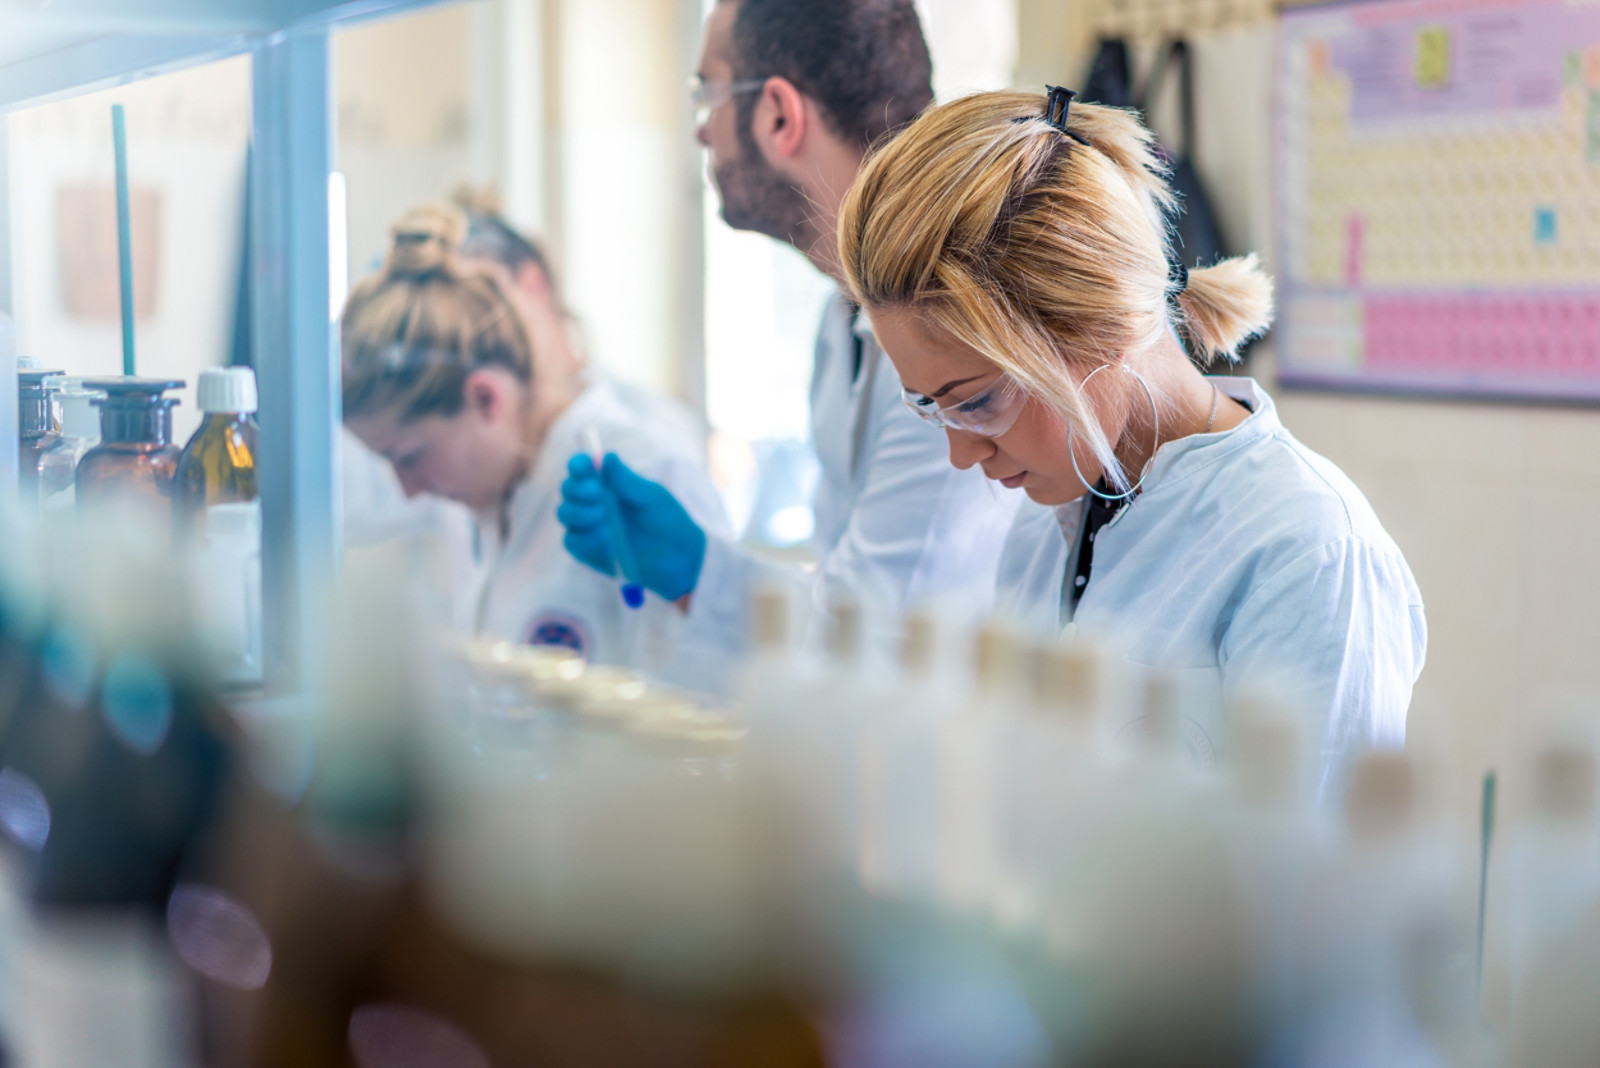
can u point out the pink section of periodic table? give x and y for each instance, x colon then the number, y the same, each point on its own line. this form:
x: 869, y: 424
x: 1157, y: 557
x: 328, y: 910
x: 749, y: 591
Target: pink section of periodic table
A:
x: 1439, y: 197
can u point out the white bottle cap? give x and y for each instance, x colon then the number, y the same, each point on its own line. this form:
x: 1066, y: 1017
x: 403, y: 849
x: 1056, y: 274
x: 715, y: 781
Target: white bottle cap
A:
x: 1381, y: 797
x: 227, y: 389
x: 1269, y: 750
x: 917, y: 648
x: 845, y: 636
x: 994, y: 657
x: 769, y: 618
x: 1069, y: 678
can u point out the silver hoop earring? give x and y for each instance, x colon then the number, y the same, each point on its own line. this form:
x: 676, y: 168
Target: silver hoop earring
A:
x: 1155, y: 418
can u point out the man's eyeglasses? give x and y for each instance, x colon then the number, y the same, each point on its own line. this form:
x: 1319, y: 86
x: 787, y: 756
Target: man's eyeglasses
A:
x: 706, y: 97
x: 991, y: 413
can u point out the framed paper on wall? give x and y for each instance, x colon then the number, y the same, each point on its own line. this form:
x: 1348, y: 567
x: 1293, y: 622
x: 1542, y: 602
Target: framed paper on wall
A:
x: 1439, y: 198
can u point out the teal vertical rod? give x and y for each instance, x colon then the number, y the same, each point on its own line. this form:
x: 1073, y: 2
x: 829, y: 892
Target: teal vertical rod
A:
x: 1486, y: 839
x: 119, y: 134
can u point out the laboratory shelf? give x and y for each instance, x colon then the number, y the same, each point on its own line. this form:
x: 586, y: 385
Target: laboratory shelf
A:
x: 54, y: 49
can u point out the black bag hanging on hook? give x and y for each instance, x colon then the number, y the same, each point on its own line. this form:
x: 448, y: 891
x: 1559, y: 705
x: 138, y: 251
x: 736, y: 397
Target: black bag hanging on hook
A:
x: 1111, y: 81
x: 1200, y: 241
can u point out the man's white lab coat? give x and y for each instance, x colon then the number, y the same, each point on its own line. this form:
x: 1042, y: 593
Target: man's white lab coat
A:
x: 896, y: 525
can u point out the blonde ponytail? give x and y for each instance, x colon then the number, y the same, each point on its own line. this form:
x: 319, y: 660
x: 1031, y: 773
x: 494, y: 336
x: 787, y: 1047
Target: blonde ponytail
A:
x: 1224, y: 306
x: 1034, y: 248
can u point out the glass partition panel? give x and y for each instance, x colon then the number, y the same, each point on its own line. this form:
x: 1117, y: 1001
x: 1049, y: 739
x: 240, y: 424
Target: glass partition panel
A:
x: 187, y: 135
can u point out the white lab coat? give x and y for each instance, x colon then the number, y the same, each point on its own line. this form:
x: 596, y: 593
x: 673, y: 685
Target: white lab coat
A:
x: 896, y: 525
x: 669, y: 417
x: 534, y: 591
x: 377, y: 511
x: 1246, y: 556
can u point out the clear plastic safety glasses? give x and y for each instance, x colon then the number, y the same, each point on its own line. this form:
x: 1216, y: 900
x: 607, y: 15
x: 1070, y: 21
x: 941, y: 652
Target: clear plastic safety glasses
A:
x: 991, y: 413
x: 706, y: 97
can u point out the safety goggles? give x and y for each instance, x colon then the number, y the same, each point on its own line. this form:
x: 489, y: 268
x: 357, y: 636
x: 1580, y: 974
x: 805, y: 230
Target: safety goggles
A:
x: 706, y: 97
x: 990, y: 413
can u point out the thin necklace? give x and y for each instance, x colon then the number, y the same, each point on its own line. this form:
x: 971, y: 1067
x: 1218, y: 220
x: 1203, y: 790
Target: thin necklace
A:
x: 1216, y: 395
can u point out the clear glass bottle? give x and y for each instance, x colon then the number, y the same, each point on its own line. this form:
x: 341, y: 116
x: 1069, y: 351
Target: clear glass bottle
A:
x: 80, y: 432
x: 36, y: 428
x: 135, y: 458
x: 218, y: 465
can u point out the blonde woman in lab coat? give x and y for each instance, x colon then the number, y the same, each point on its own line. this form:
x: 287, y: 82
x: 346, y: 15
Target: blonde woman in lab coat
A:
x: 1013, y: 253
x: 444, y: 378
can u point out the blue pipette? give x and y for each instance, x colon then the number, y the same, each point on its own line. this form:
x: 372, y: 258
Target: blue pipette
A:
x: 616, y: 532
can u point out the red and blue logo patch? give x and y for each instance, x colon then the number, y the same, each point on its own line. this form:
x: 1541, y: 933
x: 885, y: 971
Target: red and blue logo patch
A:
x: 560, y: 630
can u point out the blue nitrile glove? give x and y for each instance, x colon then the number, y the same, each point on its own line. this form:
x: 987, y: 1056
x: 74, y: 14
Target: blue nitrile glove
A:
x: 670, y: 546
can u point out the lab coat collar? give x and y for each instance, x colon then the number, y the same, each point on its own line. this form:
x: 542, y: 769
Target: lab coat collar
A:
x: 863, y: 325
x: 560, y: 442
x: 1179, y: 460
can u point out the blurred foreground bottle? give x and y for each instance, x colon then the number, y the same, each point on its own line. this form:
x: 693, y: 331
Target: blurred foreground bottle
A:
x: 135, y: 459
x: 113, y: 760
x: 80, y: 432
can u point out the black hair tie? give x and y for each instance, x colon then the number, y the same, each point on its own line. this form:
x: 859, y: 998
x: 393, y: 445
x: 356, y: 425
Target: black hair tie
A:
x: 1057, y: 103
x: 1178, y: 277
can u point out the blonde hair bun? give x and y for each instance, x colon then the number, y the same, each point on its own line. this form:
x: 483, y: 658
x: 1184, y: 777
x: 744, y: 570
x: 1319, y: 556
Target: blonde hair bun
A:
x: 414, y: 331
x: 426, y: 240
x: 478, y: 200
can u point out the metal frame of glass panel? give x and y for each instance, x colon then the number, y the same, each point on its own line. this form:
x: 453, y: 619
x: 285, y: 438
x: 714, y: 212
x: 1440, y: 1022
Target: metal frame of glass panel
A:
x: 86, y: 45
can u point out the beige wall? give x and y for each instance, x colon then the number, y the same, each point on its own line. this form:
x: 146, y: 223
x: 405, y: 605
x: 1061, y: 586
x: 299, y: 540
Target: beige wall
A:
x: 630, y: 187
x: 1495, y: 505
x: 407, y: 131
x: 576, y: 111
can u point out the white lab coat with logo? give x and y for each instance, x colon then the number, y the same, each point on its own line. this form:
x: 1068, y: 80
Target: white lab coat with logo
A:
x: 534, y: 591
x: 1246, y: 556
x: 896, y: 525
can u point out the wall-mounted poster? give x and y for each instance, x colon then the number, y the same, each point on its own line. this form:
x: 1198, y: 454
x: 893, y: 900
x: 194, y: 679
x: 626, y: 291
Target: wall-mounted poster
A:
x: 1439, y: 197
x: 86, y: 233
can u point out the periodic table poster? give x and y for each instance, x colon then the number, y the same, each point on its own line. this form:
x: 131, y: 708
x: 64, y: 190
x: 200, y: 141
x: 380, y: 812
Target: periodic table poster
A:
x: 1439, y: 197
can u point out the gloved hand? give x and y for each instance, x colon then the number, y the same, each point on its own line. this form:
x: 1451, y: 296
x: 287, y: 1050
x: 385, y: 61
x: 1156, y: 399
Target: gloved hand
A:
x: 670, y: 547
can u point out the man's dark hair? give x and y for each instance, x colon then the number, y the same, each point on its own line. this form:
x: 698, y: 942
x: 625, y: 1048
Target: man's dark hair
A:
x: 864, y: 62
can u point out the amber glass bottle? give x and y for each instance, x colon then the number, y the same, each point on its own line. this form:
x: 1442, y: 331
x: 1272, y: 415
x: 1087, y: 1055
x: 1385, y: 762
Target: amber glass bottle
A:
x: 135, y: 458
x: 36, y: 427
x: 218, y: 466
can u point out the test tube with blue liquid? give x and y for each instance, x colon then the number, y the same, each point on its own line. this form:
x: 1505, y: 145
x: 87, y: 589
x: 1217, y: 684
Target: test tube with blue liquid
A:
x: 616, y: 532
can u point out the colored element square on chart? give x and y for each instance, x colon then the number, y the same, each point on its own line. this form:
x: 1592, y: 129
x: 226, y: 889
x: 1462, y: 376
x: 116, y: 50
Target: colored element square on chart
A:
x: 1544, y: 226
x: 1591, y: 67
x: 1355, y: 233
x: 1318, y: 56
x: 1592, y: 127
x: 1433, y: 57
